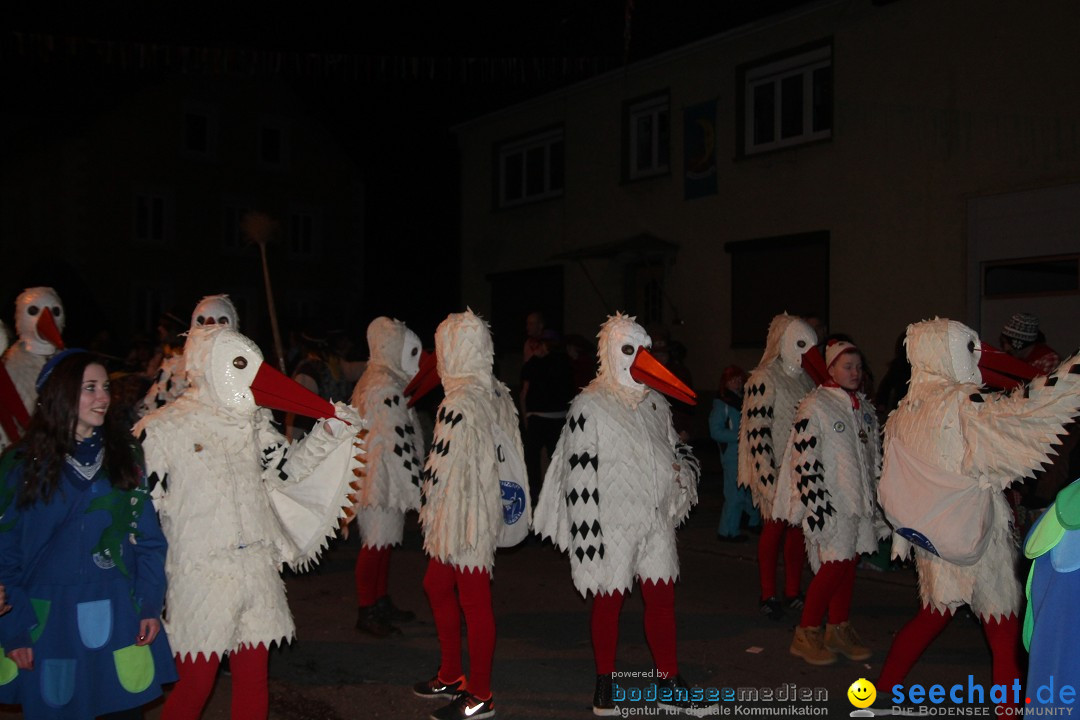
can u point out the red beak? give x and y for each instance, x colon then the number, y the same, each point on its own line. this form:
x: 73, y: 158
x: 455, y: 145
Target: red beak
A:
x: 47, y: 330
x: 425, y: 380
x: 1001, y: 370
x: 647, y: 370
x: 273, y: 390
x: 814, y: 365
x: 13, y: 413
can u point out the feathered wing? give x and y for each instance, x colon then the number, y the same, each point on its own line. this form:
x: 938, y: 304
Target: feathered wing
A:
x: 1008, y: 436
x: 462, y: 505
x: 811, y: 504
x: 687, y: 479
x: 759, y: 457
x: 393, y: 467
x: 311, y: 490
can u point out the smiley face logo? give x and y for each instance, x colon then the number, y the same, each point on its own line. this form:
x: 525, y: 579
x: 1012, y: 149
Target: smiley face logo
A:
x: 862, y: 693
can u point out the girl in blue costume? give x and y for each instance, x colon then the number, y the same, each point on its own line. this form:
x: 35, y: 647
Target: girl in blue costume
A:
x: 82, y: 558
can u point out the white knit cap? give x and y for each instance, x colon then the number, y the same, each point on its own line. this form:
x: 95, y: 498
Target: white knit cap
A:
x: 835, y: 349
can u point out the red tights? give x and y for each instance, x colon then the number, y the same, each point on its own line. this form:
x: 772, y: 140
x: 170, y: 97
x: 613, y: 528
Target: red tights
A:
x: 473, y: 597
x: 250, y: 696
x: 1002, y: 635
x: 830, y: 592
x: 659, y: 627
x: 769, y: 552
x: 372, y: 573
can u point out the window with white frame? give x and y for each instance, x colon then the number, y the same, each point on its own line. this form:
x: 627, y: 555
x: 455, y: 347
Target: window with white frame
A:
x: 530, y: 169
x: 786, y: 100
x: 647, y: 137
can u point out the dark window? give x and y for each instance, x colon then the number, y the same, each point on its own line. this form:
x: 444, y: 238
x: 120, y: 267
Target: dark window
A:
x: 530, y: 168
x: 1035, y: 276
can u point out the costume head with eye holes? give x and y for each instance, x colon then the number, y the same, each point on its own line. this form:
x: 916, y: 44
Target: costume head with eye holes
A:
x: 619, y: 340
x: 944, y: 349
x: 394, y: 347
x: 39, y: 320
x: 215, y: 310
x: 221, y: 366
x: 788, y: 339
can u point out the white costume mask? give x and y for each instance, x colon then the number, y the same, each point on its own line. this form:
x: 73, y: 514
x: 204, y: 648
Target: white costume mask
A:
x: 796, y: 337
x: 394, y: 346
x: 214, y: 310
x: 5, y: 337
x: 619, y: 340
x: 463, y: 348
x: 28, y: 308
x: 946, y: 348
x: 221, y: 365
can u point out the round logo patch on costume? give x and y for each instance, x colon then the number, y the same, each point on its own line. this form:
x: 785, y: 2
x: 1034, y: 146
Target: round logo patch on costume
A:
x: 867, y: 418
x: 513, y: 501
x: 839, y: 426
x: 104, y: 560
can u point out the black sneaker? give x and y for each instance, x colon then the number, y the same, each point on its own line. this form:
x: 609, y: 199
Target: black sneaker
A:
x: 795, y: 603
x: 371, y: 622
x: 466, y: 706
x: 436, y: 688
x: 773, y: 608
x: 679, y: 700
x: 391, y: 612
x: 602, y: 704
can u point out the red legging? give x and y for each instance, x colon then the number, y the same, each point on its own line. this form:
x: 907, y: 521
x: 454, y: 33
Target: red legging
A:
x: 769, y: 552
x: 372, y: 573
x: 474, y: 595
x: 830, y: 591
x: 659, y: 627
x: 1002, y: 635
x: 250, y: 696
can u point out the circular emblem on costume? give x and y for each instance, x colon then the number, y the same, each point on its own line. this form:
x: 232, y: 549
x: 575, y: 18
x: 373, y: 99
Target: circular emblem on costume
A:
x: 839, y: 426
x: 513, y: 501
x: 104, y: 560
x: 867, y: 418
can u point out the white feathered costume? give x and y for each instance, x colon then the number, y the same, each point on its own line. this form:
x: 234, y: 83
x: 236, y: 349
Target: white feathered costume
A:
x: 35, y: 345
x: 620, y: 481
x: 992, y: 439
x: 463, y: 508
x: 171, y: 380
x: 390, y: 483
x: 236, y: 501
x: 772, y: 394
x: 829, y: 476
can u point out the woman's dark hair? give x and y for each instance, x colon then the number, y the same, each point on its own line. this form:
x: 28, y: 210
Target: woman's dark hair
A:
x: 50, y: 437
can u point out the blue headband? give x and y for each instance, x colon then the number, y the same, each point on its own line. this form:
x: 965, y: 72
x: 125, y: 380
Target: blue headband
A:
x: 52, y: 363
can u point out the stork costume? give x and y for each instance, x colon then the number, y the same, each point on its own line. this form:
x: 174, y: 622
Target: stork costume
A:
x: 13, y: 414
x: 828, y: 485
x: 171, y: 380
x: 463, y: 509
x: 390, y: 485
x: 947, y: 432
x: 236, y: 502
x: 39, y: 321
x: 773, y: 391
x: 619, y: 484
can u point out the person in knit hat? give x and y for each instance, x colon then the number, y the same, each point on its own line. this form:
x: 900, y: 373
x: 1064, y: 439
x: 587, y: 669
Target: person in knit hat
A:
x: 828, y: 485
x: 1021, y: 338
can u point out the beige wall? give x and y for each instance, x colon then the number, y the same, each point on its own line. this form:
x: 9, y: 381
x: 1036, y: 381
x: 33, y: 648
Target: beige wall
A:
x: 935, y: 103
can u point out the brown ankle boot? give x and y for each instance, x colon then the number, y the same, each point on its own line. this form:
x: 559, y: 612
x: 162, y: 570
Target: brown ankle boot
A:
x: 842, y: 638
x: 808, y: 645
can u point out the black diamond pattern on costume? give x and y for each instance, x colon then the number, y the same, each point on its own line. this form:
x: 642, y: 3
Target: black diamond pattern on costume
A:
x: 400, y: 431
x: 576, y: 423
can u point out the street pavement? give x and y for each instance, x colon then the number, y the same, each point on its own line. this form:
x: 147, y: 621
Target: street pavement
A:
x: 543, y: 658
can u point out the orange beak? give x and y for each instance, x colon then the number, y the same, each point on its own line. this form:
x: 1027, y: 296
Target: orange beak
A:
x: 814, y: 365
x: 47, y: 330
x: 13, y: 415
x: 1001, y: 370
x: 273, y: 390
x: 647, y: 370
x: 425, y: 380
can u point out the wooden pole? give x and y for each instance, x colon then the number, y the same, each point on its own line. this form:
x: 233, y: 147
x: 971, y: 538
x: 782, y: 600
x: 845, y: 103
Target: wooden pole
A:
x: 258, y: 228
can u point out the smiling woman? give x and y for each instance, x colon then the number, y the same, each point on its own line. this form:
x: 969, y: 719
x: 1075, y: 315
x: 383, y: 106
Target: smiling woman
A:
x: 80, y: 547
